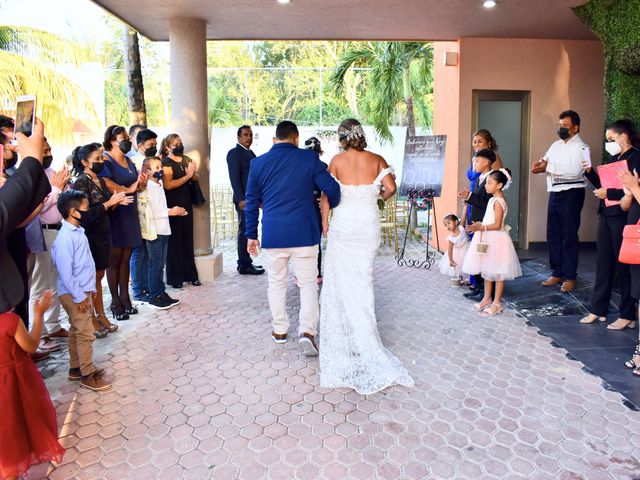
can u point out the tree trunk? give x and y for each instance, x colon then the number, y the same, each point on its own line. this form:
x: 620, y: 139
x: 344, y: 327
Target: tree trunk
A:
x: 133, y: 69
x: 409, y: 116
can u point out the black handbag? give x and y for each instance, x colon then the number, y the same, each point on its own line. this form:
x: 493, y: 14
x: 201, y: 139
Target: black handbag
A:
x: 197, y: 197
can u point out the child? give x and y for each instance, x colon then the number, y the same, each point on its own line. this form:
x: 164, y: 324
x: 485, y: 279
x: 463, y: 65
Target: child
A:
x: 478, y: 199
x: 499, y: 262
x: 157, y: 248
x: 76, y: 285
x: 29, y: 430
x: 451, y: 261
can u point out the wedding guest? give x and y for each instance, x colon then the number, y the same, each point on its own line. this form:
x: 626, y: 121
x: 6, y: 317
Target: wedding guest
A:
x: 29, y: 429
x: 457, y: 246
x: 20, y: 195
x: 623, y: 142
x: 481, y: 140
x: 478, y: 199
x: 499, y: 261
x: 146, y: 141
x: 120, y: 175
x: 157, y: 248
x: 238, y: 162
x: 76, y: 286
x: 181, y: 265
x: 565, y: 183
x: 88, y: 163
x: 133, y: 133
x: 314, y: 144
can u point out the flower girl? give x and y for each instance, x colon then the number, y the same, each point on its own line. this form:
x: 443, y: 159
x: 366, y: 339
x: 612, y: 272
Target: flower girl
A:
x: 451, y: 261
x: 491, y: 253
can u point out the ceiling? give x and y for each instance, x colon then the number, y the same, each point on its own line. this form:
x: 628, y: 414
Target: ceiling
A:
x: 356, y: 19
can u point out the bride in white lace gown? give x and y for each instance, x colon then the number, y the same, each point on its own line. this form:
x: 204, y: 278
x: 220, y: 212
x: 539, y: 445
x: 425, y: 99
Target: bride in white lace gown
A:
x: 351, y: 352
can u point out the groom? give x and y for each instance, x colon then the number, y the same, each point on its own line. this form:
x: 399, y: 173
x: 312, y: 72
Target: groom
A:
x: 283, y: 180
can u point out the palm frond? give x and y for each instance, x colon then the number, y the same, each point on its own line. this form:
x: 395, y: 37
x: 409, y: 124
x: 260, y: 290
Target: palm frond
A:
x: 360, y: 57
x: 34, y: 43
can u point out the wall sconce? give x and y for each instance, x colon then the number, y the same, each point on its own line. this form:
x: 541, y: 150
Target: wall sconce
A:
x: 450, y: 59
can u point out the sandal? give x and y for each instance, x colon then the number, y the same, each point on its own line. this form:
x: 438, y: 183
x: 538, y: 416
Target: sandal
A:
x: 592, y: 318
x: 482, y: 305
x: 104, y: 321
x: 494, y: 309
x: 632, y: 363
x: 118, y: 314
x: 196, y: 283
x: 99, y: 331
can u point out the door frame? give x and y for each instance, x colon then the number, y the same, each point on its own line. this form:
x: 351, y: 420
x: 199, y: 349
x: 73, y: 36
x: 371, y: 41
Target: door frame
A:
x: 523, y: 96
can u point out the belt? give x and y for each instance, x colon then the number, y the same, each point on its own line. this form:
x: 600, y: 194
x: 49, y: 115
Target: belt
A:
x: 51, y: 226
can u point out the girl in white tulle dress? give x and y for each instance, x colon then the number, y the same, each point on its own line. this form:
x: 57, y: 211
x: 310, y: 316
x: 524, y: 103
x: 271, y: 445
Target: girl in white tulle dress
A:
x: 451, y: 261
x: 491, y: 253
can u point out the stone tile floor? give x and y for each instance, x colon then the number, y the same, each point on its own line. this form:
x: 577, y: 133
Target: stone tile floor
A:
x: 201, y: 392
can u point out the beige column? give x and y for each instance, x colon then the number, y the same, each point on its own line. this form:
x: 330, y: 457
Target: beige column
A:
x: 189, y: 118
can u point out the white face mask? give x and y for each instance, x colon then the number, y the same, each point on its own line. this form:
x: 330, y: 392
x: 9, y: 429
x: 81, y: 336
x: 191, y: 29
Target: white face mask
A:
x: 612, y: 148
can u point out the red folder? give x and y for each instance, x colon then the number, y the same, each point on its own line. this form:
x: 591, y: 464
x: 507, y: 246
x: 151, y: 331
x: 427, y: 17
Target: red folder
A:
x: 609, y: 178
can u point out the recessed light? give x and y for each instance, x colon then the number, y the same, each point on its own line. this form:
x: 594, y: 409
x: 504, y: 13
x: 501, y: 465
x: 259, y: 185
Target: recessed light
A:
x: 284, y: 1
x: 489, y: 3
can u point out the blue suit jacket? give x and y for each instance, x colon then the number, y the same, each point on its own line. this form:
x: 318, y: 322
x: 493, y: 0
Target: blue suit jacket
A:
x: 283, y: 180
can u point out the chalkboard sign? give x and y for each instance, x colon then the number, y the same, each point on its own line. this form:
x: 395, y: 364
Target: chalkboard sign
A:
x: 423, y: 165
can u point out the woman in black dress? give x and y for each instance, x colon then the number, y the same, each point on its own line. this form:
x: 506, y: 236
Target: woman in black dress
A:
x: 611, y: 221
x: 88, y: 162
x: 120, y: 175
x: 624, y: 132
x: 181, y: 265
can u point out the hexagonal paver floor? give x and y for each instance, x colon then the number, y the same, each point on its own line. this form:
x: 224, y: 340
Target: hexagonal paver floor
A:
x: 201, y: 391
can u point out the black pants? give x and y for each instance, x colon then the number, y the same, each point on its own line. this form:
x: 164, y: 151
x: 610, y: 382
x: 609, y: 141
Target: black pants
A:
x: 181, y: 265
x: 244, y: 259
x: 608, y: 248
x: 18, y: 250
x: 563, y: 222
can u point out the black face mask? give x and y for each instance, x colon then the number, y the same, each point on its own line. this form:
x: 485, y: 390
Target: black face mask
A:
x: 158, y: 175
x: 46, y: 161
x: 178, y: 151
x: 125, y: 146
x: 97, y: 167
x: 83, y: 215
x: 563, y: 133
x: 151, y: 152
x: 12, y: 161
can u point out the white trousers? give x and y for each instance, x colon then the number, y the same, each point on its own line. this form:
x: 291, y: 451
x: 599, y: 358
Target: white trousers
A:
x: 44, y: 276
x: 305, y: 267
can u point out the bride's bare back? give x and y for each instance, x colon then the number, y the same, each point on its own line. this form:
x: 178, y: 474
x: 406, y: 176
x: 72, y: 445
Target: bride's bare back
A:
x: 357, y: 167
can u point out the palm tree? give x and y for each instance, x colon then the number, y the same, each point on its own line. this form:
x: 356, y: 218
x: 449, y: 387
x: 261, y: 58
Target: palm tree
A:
x: 31, y: 61
x: 133, y: 67
x: 397, y: 82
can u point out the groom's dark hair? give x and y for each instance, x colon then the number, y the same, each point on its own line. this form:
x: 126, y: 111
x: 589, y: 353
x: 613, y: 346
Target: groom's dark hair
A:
x: 286, y: 129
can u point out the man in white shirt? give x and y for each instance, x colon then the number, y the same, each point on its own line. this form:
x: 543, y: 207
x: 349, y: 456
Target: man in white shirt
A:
x: 565, y: 183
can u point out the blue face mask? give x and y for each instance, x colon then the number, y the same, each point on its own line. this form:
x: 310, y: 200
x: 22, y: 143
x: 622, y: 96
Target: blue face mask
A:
x: 158, y: 175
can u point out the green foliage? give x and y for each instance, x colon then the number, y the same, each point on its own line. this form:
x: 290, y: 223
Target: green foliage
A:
x: 617, y: 24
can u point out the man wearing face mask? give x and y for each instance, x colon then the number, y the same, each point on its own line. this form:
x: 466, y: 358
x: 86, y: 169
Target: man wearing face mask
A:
x: 563, y: 164
x: 146, y: 142
x: 40, y: 234
x: 133, y: 133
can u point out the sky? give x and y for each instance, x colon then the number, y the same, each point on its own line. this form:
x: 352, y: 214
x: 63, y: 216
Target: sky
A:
x: 76, y: 19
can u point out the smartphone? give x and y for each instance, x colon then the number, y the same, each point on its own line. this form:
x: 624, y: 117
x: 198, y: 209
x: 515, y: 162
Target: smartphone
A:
x: 25, y: 114
x: 1, y: 158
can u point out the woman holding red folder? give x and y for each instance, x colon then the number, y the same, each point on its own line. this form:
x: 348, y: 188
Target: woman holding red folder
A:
x: 622, y: 144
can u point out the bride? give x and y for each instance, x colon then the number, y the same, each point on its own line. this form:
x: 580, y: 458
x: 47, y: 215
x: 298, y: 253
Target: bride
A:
x: 351, y: 352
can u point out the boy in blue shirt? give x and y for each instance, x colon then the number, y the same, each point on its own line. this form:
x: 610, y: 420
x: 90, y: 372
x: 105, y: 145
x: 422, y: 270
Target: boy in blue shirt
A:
x: 76, y: 285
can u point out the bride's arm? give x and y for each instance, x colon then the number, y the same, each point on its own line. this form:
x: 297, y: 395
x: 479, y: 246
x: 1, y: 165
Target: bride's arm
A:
x: 324, y: 209
x: 388, y: 182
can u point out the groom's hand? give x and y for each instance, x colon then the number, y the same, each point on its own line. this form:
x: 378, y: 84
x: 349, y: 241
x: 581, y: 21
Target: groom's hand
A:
x: 252, y: 247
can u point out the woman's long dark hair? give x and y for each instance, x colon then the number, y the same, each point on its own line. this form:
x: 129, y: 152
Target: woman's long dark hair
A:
x: 626, y: 126
x: 82, y: 153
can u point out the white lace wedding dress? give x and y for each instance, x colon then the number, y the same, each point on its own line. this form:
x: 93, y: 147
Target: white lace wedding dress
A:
x: 351, y: 352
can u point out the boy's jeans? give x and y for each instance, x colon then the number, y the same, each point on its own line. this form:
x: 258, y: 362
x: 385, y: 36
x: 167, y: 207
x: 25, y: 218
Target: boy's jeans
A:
x: 157, y: 256
x: 139, y: 266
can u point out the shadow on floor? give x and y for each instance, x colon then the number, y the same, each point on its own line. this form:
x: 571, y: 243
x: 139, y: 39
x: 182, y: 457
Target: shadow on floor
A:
x: 556, y: 315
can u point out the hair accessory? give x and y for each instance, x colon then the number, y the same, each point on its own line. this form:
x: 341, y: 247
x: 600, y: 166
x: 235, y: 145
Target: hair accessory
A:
x: 355, y: 132
x: 506, y: 174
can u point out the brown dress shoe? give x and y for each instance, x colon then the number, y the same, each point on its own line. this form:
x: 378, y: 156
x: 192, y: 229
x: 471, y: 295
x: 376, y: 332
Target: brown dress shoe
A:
x: 308, y: 344
x: 551, y: 281
x: 39, y: 355
x: 62, y: 333
x: 568, y: 286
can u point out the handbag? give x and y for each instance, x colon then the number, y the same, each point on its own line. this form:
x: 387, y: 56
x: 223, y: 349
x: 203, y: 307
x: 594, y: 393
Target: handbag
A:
x: 482, y: 247
x: 630, y: 248
x: 197, y: 197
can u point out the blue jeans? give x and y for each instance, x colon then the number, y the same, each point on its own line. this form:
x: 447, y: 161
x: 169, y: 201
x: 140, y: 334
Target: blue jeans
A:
x: 157, y: 254
x: 139, y: 267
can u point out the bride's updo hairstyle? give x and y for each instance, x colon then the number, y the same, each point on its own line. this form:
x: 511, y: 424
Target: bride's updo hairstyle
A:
x: 351, y: 135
